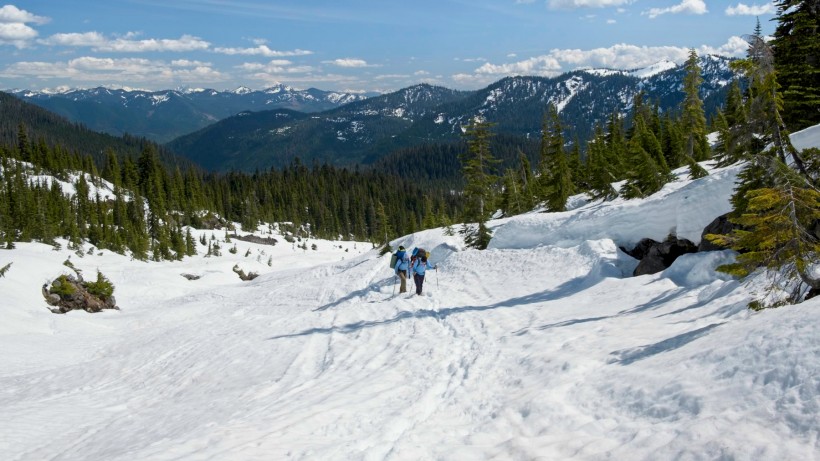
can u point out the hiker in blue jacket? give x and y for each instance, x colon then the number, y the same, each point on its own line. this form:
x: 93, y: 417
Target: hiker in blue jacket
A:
x: 418, y: 268
x: 402, y: 265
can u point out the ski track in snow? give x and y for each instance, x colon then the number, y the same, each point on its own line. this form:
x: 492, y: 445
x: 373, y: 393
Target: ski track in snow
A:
x: 542, y: 347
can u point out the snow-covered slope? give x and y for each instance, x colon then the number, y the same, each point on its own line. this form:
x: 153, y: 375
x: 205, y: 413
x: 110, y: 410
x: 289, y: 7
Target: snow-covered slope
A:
x: 541, y: 347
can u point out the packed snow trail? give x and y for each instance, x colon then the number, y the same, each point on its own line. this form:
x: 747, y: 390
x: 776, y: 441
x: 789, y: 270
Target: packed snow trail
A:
x: 510, y: 358
x: 547, y: 350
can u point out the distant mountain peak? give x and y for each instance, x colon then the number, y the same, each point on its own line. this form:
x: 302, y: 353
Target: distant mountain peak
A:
x: 242, y: 90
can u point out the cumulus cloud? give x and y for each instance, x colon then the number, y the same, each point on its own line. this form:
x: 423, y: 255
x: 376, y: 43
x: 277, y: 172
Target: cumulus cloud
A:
x: 126, y: 44
x: 275, y: 66
x: 84, y: 39
x: 349, y: 62
x: 14, y: 28
x: 686, y: 6
x: 572, y: 4
x: 130, y: 71
x: 189, y: 63
x: 261, y: 50
x: 16, y: 34
x: 620, y: 56
x: 540, y: 65
x: 750, y: 10
x: 10, y: 14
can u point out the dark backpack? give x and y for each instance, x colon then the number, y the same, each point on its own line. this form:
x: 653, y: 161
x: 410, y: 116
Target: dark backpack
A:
x: 397, y: 256
x: 420, y: 253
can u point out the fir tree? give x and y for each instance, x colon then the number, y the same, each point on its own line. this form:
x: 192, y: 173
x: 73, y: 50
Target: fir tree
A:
x: 796, y: 47
x: 599, y: 170
x: 511, y: 202
x: 645, y: 177
x: 555, y: 169
x: 693, y: 119
x: 477, y: 163
x: 774, y: 232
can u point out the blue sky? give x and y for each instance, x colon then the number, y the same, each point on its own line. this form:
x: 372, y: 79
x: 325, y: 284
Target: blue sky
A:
x: 352, y: 45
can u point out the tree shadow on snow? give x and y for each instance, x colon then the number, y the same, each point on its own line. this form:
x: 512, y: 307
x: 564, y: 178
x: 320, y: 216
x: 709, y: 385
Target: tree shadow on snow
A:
x: 628, y: 356
x: 356, y: 294
x: 563, y: 290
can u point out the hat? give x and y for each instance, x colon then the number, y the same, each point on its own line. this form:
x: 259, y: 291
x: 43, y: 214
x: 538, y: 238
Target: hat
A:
x: 401, y: 248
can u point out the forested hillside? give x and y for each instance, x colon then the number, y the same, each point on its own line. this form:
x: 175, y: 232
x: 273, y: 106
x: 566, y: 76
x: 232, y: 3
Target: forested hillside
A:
x: 52, y: 131
x: 362, y: 132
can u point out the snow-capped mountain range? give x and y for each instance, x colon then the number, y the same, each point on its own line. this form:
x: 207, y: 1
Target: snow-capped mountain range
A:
x: 364, y: 131
x: 236, y: 129
x: 165, y: 115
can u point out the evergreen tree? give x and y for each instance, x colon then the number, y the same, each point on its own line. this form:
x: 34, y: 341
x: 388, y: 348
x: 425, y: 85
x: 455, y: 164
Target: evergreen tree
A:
x: 693, y: 119
x: 645, y: 177
x: 555, y: 170
x: 511, y: 196
x: 477, y: 163
x: 796, y: 47
x: 774, y: 232
x: 528, y: 183
x: 599, y: 170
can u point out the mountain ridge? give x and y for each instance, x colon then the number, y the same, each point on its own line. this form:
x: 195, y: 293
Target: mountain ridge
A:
x: 364, y: 131
x: 167, y: 114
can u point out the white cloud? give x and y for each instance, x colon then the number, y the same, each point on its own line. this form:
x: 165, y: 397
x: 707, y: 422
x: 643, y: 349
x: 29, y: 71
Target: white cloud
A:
x: 421, y: 72
x: 620, y: 56
x: 391, y: 76
x: 750, y: 10
x: 16, y: 34
x: 349, y: 62
x: 261, y: 50
x: 189, y: 63
x: 540, y: 65
x: 572, y: 4
x: 276, y: 66
x: 184, y: 43
x: 611, y: 21
x: 10, y: 14
x: 735, y: 47
x: 90, y: 39
x: 130, y: 71
x: 13, y: 26
x: 686, y: 6
x: 520, y: 2
x: 126, y: 44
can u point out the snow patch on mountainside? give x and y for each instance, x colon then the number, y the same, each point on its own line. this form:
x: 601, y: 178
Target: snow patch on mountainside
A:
x: 654, y: 69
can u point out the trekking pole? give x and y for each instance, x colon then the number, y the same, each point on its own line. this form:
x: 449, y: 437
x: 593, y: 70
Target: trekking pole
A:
x: 395, y: 280
x: 436, y: 278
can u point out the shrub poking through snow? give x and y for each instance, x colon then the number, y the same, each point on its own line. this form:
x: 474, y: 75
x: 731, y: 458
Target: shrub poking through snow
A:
x: 68, y: 293
x: 243, y: 276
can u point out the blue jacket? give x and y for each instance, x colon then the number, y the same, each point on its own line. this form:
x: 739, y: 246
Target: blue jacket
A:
x: 421, y: 267
x: 402, y: 261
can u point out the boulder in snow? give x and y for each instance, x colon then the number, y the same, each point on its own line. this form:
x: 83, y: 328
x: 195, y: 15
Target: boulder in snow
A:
x: 657, y: 256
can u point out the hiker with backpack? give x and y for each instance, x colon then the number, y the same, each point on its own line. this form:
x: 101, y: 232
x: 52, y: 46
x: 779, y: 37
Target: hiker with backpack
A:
x: 419, y: 266
x: 401, y: 267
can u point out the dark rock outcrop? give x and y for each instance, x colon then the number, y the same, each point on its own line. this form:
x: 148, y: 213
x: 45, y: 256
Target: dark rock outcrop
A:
x: 254, y: 239
x: 657, y: 256
x: 721, y: 225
